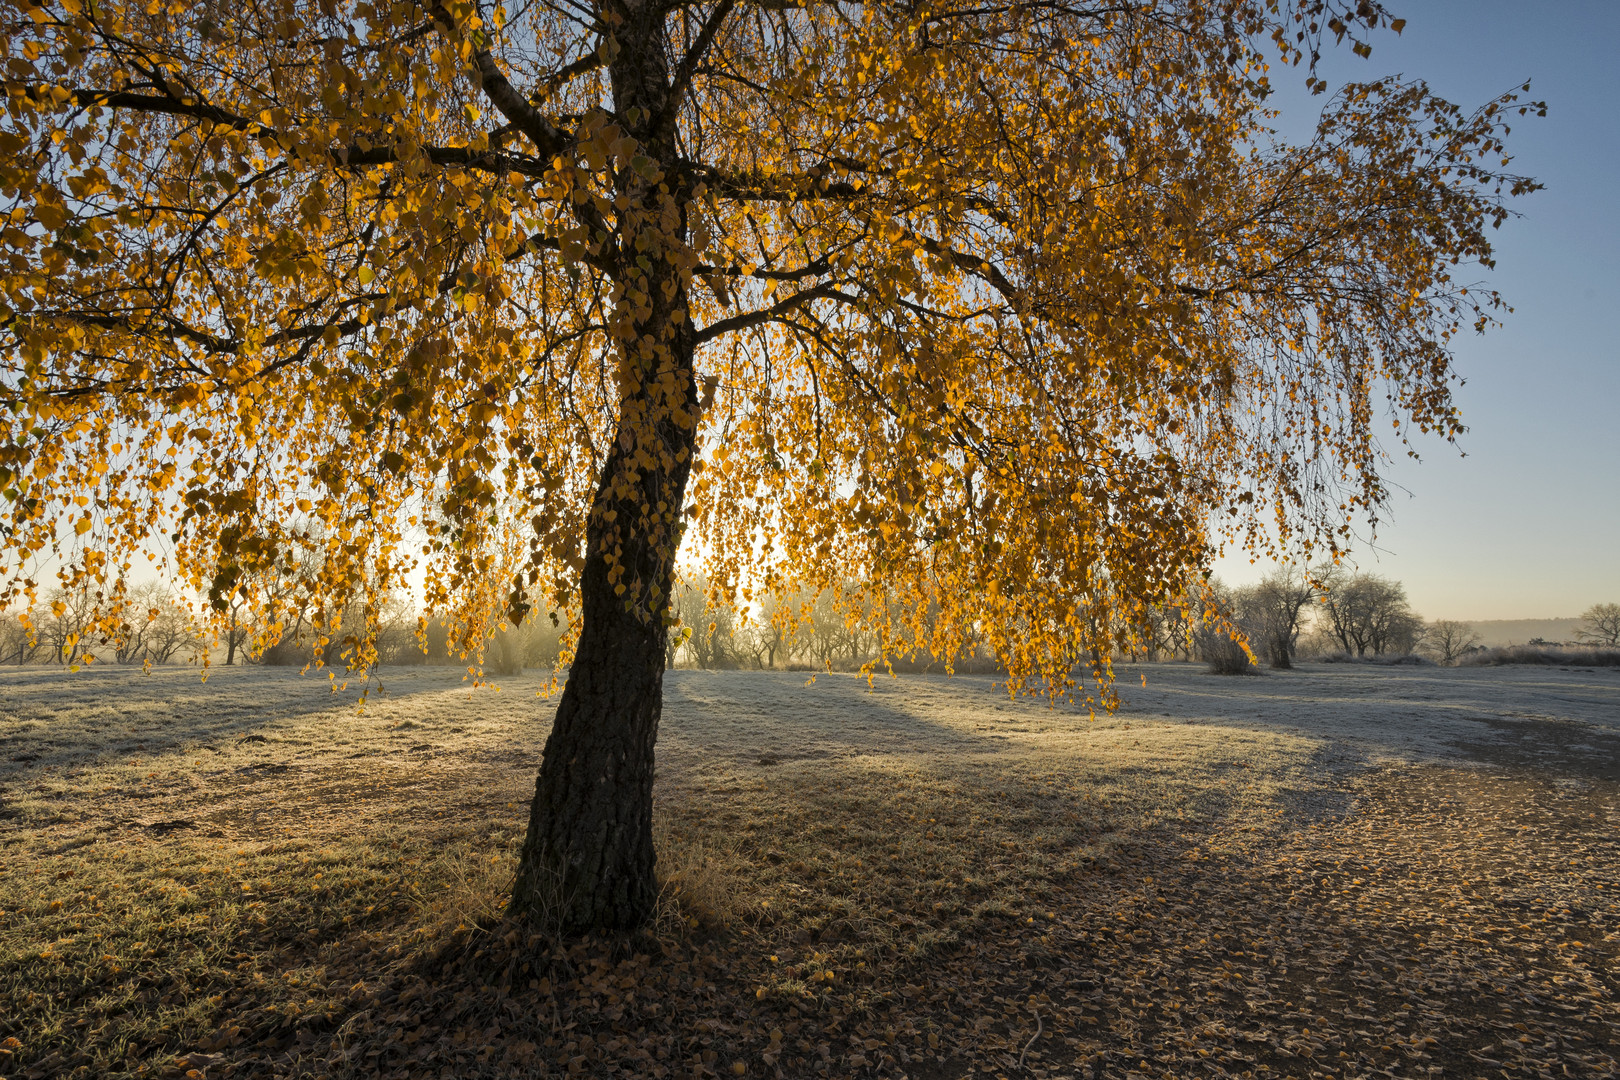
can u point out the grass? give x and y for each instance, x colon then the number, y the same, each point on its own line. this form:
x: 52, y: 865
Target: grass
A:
x: 129, y: 948
x: 1385, y: 659
x: 257, y: 880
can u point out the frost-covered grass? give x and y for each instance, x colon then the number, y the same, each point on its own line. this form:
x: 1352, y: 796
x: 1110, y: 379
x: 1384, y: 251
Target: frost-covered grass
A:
x: 224, y: 868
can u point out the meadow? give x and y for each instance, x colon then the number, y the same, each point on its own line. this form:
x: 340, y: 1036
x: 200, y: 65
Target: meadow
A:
x: 1340, y: 871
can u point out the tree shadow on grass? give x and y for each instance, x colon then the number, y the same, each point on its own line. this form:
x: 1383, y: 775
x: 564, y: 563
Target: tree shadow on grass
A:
x: 54, y: 718
x: 914, y: 892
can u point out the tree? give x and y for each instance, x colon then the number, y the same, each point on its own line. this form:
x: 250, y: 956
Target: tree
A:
x: 831, y: 632
x: 237, y: 631
x: 766, y: 635
x: 157, y: 627
x: 1273, y: 612
x: 1600, y: 625
x: 1266, y: 617
x: 1447, y: 639
x: 66, y: 625
x: 1011, y: 309
x: 1167, y: 628
x: 710, y: 644
x: 1367, y: 613
x: 18, y: 642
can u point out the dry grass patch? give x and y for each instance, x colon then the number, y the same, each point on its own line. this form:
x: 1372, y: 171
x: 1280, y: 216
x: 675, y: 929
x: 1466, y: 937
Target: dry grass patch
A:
x: 114, y: 955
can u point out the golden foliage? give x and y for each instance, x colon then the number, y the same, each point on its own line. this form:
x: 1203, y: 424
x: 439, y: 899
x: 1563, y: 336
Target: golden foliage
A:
x: 1008, y: 313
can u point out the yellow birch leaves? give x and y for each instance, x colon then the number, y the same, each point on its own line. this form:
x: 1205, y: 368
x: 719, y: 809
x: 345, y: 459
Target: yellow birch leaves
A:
x: 997, y: 311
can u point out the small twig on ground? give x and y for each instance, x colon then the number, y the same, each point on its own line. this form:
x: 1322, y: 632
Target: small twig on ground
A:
x: 1040, y: 1026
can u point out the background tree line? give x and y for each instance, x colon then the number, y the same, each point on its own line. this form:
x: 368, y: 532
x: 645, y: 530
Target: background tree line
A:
x: 1328, y: 613
x: 1358, y: 614
x: 162, y: 626
x: 801, y: 630
x: 1336, y: 614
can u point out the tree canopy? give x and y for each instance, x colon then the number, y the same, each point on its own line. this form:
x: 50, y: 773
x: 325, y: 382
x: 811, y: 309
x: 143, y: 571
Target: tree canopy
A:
x: 1008, y: 312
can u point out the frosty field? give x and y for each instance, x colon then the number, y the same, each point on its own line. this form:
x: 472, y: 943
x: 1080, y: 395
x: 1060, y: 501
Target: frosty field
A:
x: 1339, y: 871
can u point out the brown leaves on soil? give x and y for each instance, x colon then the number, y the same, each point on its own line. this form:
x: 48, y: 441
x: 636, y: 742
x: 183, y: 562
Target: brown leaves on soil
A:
x: 1455, y: 922
x: 928, y: 881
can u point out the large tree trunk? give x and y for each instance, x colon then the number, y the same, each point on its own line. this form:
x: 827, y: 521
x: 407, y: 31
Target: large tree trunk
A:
x: 587, y: 861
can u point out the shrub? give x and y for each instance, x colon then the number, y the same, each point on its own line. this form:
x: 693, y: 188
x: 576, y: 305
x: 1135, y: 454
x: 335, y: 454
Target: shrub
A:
x: 1225, y: 654
x: 1554, y: 655
x: 1385, y: 660
x: 1446, y: 640
x: 1216, y: 641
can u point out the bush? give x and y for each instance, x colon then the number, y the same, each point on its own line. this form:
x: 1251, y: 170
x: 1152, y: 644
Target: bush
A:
x: 1222, y: 652
x: 1386, y: 660
x: 1215, y: 642
x: 1554, y: 655
x: 1226, y: 656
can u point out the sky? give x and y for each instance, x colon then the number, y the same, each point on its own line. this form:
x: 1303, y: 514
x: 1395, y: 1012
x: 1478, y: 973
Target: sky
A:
x: 1524, y: 522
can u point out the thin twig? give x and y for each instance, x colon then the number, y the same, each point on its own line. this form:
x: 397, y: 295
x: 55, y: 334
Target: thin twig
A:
x: 1040, y: 1026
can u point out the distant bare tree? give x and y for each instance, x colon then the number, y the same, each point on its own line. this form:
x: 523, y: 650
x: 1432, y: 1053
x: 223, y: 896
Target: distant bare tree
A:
x: 130, y: 648
x: 238, y: 630
x: 1447, y: 639
x: 775, y: 629
x: 712, y: 626
x: 275, y: 628
x: 156, y: 627
x: 1273, y: 613
x: 766, y: 638
x: 1600, y: 625
x: 1144, y: 632
x: 749, y: 643
x: 62, y: 632
x: 1168, y: 629
x: 18, y: 643
x: 833, y: 638
x: 1367, y: 613
x: 172, y: 632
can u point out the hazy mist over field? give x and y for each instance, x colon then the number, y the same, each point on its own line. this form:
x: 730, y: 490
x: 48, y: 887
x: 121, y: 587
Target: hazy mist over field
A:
x: 1494, y: 632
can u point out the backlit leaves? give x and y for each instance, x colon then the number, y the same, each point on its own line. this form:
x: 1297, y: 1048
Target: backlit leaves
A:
x: 1010, y: 315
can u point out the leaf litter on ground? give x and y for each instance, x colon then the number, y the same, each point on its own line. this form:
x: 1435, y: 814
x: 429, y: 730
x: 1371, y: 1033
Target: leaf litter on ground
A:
x: 930, y: 881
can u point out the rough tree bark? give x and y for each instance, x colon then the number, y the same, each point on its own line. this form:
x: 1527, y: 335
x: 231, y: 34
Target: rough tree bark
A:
x: 588, y: 860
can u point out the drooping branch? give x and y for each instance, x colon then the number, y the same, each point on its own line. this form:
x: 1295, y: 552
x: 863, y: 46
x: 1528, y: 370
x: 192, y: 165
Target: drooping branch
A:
x: 784, y: 306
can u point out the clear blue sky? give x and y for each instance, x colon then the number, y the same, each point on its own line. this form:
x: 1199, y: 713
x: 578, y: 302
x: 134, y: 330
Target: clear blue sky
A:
x: 1527, y: 524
